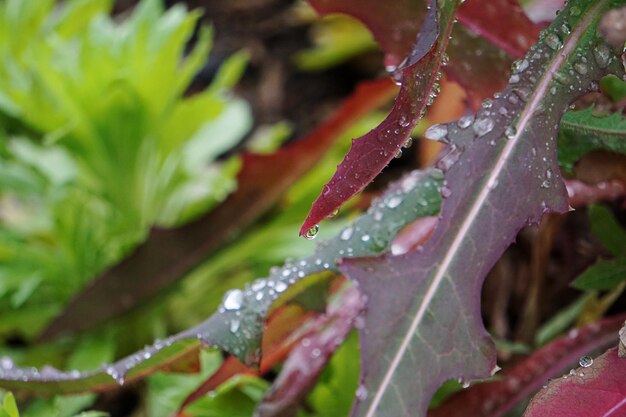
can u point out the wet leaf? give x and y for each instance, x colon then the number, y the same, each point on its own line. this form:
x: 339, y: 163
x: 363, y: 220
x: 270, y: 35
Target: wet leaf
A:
x: 423, y: 310
x: 238, y: 325
x: 497, y: 397
x: 308, y: 358
x: 420, y: 72
x: 594, y: 389
x: 370, y: 153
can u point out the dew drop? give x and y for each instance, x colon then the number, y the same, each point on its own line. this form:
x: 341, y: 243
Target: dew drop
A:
x: 280, y: 287
x: 446, y: 192
x: 408, y: 143
x: 312, y: 232
x: 514, y: 79
x: 365, y: 238
x: 519, y: 65
x: 234, y: 325
x: 510, y: 132
x: 580, y: 68
x: 345, y: 235
x: 334, y: 213
x: 602, y: 55
x: 574, y: 11
x: 361, y: 393
x: 487, y: 103
x: 553, y: 41
x: 398, y: 154
x: 585, y: 361
x: 436, y: 132
x: 483, y: 126
x: 394, y: 201
x: 465, y: 121
x: 233, y: 300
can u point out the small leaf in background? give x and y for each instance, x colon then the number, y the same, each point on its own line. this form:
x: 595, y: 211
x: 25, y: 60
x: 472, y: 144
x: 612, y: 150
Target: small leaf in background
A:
x: 9, y: 407
x: 606, y: 228
x: 603, y: 275
x: 584, y: 131
x: 593, y: 389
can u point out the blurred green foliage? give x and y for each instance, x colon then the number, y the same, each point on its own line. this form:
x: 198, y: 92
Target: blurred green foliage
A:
x: 98, y: 142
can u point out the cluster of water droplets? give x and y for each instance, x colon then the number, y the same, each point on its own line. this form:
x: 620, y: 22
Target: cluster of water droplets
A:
x: 497, y: 120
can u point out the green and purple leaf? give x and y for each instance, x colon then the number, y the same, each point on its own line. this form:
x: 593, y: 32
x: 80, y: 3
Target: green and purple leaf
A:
x: 423, y: 321
x: 597, y: 388
x: 238, y: 325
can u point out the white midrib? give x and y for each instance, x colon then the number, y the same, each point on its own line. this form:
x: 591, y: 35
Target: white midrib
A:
x: 507, y: 151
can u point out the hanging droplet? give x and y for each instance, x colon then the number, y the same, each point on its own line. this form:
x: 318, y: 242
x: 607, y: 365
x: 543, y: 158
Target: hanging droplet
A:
x: 436, y: 132
x: 585, y: 361
x: 408, y: 143
x: 510, y: 132
x: 312, y: 232
x: 398, y: 154
x: 553, y: 41
x: 232, y: 300
x: 333, y: 214
x: 465, y: 121
x: 483, y: 126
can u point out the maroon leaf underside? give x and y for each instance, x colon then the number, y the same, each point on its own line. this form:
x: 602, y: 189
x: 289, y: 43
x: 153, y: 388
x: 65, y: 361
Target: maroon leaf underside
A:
x: 596, y: 391
x: 309, y: 357
x: 169, y: 253
x: 496, y: 398
x: 503, y: 23
x: 372, y: 152
x: 423, y: 321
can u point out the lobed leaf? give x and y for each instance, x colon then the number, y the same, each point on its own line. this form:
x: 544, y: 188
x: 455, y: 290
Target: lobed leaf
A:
x: 423, y: 321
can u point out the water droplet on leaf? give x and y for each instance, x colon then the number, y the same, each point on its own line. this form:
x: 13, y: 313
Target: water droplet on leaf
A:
x: 233, y: 300
x: 312, y: 232
x: 585, y: 361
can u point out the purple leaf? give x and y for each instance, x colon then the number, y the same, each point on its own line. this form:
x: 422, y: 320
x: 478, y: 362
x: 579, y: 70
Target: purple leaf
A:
x: 423, y: 321
x: 307, y: 359
x: 496, y: 398
x: 595, y: 389
x: 373, y: 151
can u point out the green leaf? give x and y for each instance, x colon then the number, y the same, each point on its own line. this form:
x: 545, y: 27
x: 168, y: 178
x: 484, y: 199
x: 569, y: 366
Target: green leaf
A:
x: 603, y: 275
x: 9, y: 406
x: 606, y: 228
x: 614, y: 87
x: 584, y: 131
